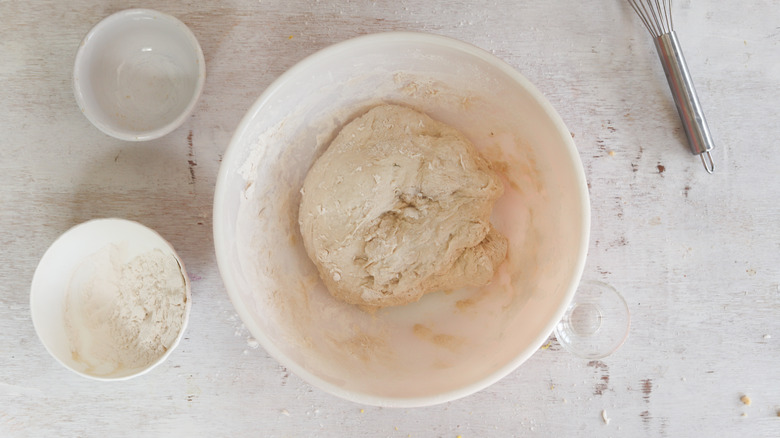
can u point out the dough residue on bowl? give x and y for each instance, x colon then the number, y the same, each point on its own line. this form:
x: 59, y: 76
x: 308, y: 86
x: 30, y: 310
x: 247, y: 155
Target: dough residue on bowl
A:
x: 398, y: 206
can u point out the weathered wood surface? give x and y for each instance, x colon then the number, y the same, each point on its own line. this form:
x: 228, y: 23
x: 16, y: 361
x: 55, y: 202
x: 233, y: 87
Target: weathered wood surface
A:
x: 696, y: 256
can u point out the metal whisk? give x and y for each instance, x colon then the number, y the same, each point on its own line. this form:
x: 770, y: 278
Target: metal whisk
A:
x: 657, y: 18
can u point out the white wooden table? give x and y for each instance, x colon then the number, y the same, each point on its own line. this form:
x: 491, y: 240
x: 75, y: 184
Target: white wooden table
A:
x: 696, y: 256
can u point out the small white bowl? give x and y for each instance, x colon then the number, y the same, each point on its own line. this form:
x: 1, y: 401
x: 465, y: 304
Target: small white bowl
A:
x: 57, y: 270
x: 138, y: 74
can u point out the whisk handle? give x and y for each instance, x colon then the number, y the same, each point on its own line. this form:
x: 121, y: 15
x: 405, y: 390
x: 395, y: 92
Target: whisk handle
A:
x: 685, y: 98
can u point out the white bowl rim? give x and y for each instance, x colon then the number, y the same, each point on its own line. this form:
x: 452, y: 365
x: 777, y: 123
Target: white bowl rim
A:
x: 135, y: 135
x: 221, y: 247
x: 187, y: 305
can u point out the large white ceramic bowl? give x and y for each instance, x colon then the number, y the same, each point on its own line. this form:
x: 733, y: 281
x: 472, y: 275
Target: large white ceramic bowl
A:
x: 138, y: 74
x: 447, y: 345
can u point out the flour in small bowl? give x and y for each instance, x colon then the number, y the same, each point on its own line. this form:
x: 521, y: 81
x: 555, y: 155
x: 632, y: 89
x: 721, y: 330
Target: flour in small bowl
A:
x: 124, y: 315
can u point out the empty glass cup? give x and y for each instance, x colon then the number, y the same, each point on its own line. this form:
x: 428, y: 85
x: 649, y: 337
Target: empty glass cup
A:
x: 596, y: 323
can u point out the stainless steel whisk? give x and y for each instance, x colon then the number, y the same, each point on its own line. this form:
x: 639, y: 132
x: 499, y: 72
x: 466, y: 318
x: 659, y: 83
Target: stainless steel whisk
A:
x: 656, y: 15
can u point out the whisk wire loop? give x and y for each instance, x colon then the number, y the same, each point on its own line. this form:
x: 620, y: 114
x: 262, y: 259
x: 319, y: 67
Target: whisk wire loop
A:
x: 656, y: 15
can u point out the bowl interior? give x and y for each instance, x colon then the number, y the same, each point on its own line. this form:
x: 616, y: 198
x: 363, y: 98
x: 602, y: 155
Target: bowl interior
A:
x: 56, y: 270
x: 138, y: 74
x: 448, y: 344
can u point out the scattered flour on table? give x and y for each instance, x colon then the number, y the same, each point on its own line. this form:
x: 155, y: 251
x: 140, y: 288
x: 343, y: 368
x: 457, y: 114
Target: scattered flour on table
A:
x: 124, y: 315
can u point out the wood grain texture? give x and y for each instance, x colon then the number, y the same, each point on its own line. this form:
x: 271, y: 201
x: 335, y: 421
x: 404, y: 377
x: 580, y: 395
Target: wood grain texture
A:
x: 696, y: 256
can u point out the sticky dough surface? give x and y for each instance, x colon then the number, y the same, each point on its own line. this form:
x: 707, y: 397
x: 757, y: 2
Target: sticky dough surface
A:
x: 398, y: 206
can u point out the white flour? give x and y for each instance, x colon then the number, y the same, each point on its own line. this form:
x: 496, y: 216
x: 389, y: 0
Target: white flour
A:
x: 124, y: 315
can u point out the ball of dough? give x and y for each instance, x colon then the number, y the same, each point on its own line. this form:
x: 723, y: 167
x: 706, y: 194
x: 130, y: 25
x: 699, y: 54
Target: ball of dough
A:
x: 398, y: 206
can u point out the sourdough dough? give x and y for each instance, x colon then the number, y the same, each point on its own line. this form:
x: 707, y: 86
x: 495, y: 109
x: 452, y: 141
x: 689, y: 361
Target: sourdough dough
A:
x: 398, y: 206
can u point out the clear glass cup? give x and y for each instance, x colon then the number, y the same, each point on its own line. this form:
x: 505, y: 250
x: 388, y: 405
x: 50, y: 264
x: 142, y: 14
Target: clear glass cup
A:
x: 596, y: 323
